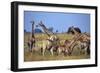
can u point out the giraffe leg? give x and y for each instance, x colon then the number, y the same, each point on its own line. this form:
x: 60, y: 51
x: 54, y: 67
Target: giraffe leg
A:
x: 43, y: 51
x: 51, y: 50
x: 59, y: 51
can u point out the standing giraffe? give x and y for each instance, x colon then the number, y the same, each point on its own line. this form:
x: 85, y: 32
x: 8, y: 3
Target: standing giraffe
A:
x: 49, y: 33
x: 31, y: 42
x: 52, y: 39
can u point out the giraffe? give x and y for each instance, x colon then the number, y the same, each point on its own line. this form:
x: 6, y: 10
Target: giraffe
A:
x: 69, y: 45
x: 32, y: 41
x: 45, y: 29
x: 72, y: 28
x: 83, y: 39
x: 85, y: 36
x: 52, y: 39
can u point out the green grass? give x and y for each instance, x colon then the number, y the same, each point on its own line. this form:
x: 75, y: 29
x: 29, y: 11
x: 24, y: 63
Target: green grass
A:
x: 37, y: 56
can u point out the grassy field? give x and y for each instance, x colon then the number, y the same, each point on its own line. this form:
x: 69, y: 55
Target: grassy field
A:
x: 37, y: 56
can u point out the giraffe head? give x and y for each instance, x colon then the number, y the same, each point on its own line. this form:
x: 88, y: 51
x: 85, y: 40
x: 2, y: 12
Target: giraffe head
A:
x: 40, y: 24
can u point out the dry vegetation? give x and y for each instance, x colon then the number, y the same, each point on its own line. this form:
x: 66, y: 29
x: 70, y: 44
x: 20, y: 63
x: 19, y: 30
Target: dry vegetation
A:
x: 37, y: 56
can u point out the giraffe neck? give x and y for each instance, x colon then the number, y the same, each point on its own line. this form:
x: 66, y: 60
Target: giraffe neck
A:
x: 46, y: 30
x: 74, y: 31
x: 76, y: 38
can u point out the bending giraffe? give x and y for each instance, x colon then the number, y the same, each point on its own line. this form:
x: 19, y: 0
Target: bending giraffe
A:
x: 84, y: 40
x: 69, y: 45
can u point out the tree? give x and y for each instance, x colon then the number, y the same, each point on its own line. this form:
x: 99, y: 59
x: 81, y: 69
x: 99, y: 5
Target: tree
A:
x: 37, y: 30
x: 56, y: 31
x: 70, y: 30
x: 50, y: 29
x: 25, y: 30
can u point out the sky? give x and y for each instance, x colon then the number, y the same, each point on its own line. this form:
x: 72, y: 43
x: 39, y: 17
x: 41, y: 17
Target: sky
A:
x: 58, y: 20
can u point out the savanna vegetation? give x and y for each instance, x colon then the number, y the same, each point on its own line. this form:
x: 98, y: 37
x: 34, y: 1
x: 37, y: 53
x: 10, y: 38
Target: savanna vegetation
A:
x: 37, y: 56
